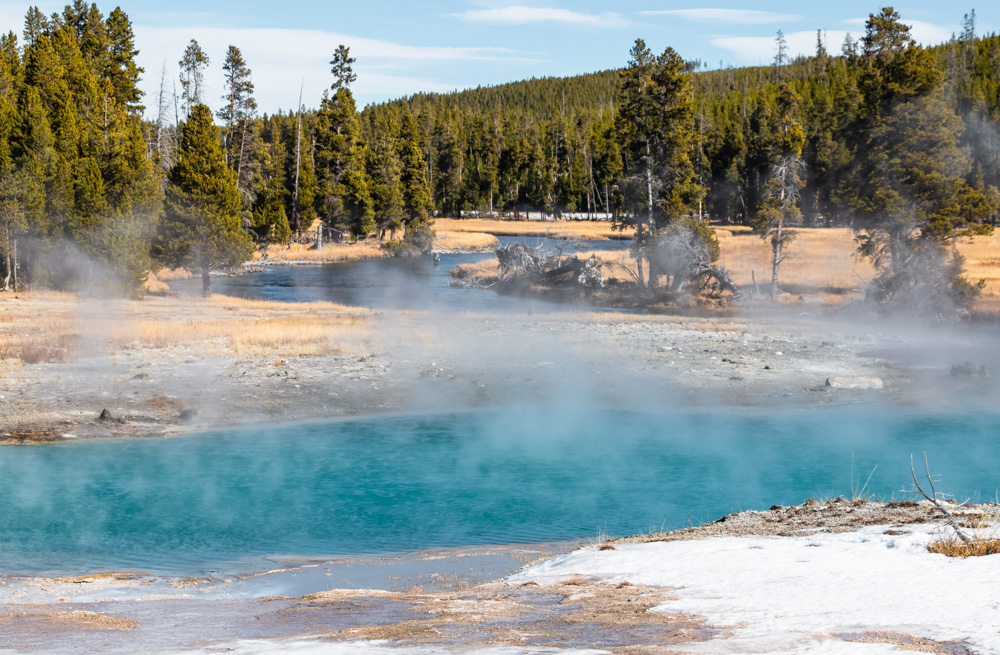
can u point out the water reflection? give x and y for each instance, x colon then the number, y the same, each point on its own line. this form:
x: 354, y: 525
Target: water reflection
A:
x: 411, y: 284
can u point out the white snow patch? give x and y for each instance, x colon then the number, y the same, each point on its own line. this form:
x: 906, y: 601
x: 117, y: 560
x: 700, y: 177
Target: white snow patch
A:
x: 317, y: 647
x: 789, y: 594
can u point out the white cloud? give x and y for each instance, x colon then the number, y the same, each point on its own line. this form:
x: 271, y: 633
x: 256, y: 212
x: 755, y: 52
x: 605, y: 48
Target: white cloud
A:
x: 928, y: 33
x: 923, y: 33
x: 282, y: 60
x: 522, y: 15
x: 740, y: 16
x: 752, y: 50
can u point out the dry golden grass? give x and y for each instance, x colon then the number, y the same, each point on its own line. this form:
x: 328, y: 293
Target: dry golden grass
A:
x: 587, y: 230
x: 168, y: 275
x: 954, y: 547
x: 464, y: 241
x: 820, y: 261
x: 301, y: 335
x: 154, y: 284
x: 485, y: 269
x: 54, y: 328
x: 298, y: 252
x: 982, y: 262
x: 242, y: 325
x: 40, y: 295
x: 231, y: 303
x: 984, y: 539
x: 38, y: 327
x: 618, y: 265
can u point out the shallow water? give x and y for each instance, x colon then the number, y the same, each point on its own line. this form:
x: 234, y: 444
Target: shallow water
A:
x: 225, y: 501
x: 411, y: 283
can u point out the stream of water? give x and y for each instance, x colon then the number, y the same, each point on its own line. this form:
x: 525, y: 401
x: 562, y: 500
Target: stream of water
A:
x: 406, y: 283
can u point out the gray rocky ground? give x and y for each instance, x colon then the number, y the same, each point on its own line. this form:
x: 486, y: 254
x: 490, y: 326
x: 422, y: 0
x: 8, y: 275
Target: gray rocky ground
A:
x: 413, y: 362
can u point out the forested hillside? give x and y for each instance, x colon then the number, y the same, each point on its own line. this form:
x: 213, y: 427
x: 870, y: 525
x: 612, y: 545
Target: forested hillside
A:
x: 897, y: 141
x: 550, y: 144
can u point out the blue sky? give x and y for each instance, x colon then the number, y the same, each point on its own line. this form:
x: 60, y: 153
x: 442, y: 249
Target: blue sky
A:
x: 441, y: 45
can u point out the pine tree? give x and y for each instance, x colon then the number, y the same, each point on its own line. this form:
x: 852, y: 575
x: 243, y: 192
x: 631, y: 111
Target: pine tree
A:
x: 193, y: 65
x: 121, y: 69
x: 779, y: 207
x: 637, y: 131
x: 344, y: 198
x: 342, y: 68
x: 202, y: 228
x: 385, y: 171
x: 417, y: 201
x: 908, y: 189
x: 35, y: 24
x: 238, y: 114
x: 657, y: 119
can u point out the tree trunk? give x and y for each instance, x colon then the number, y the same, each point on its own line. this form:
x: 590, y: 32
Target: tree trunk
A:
x: 649, y: 185
x: 239, y: 162
x: 775, y: 260
x: 638, y: 253
x: 206, y: 282
x: 6, y: 282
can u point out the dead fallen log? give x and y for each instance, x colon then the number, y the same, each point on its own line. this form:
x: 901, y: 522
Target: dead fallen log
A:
x: 714, y: 280
x: 585, y: 272
x: 518, y: 263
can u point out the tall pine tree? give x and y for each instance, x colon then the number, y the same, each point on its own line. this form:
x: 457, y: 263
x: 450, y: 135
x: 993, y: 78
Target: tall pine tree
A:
x: 202, y: 228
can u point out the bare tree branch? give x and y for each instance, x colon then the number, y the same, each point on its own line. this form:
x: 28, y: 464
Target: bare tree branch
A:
x: 933, y: 498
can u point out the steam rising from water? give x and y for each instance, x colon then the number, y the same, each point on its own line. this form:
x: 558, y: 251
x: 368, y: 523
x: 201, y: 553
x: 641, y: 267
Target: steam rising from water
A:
x: 392, y: 484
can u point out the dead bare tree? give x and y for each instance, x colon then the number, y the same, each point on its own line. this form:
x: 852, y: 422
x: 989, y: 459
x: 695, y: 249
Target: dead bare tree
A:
x: 933, y: 498
x: 298, y: 163
x: 164, y: 136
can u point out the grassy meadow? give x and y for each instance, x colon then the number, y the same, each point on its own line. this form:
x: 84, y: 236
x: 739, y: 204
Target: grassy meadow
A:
x: 821, y: 264
x: 41, y: 326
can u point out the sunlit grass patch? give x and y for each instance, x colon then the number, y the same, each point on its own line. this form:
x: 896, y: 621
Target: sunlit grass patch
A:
x: 291, y: 335
x: 820, y: 260
x: 984, y: 537
x: 167, y: 274
x: 44, y: 328
x: 464, y: 241
x: 982, y: 262
x: 486, y: 270
x: 329, y: 253
x: 955, y: 547
x: 587, y: 230
x: 318, y: 306
x: 38, y: 327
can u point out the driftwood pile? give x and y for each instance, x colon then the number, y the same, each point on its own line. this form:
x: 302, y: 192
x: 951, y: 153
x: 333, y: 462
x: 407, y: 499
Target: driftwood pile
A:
x: 522, y: 264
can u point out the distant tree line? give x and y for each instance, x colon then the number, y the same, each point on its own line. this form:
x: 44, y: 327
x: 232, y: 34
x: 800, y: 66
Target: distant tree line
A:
x: 897, y: 141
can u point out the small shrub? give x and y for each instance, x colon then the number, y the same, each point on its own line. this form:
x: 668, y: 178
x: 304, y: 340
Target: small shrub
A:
x: 47, y: 352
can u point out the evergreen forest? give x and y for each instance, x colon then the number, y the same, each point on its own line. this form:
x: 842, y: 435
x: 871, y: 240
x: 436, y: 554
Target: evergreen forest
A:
x: 99, y: 184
